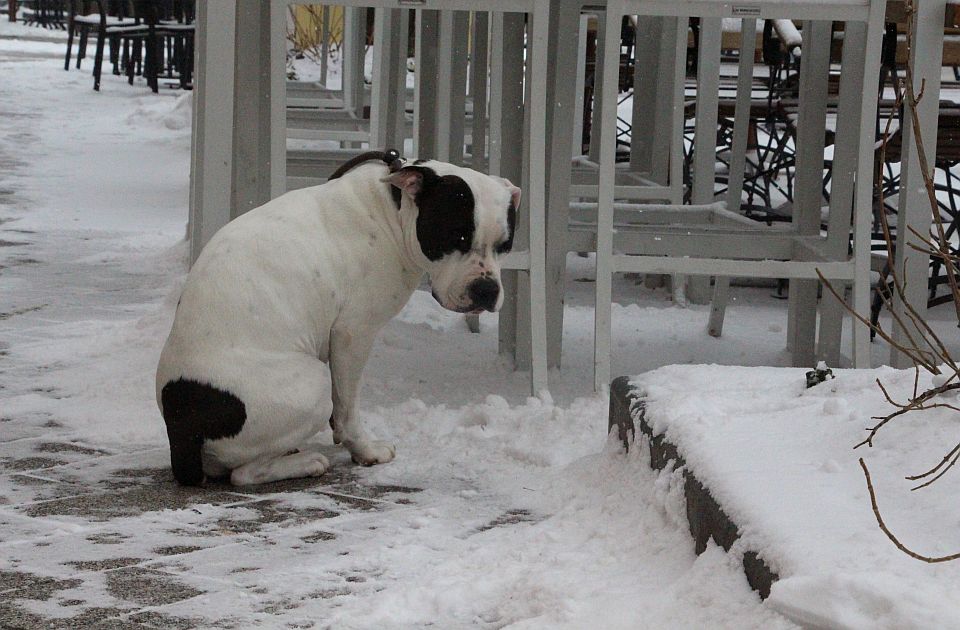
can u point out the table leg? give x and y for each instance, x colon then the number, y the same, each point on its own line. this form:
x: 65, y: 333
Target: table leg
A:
x: 811, y: 122
x: 561, y: 97
x: 914, y: 205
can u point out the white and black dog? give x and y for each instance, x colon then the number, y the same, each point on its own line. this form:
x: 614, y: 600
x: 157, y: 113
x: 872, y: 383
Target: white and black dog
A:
x: 280, y: 311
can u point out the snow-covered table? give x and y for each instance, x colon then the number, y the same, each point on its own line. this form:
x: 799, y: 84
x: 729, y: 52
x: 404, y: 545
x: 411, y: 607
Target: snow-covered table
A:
x: 769, y: 471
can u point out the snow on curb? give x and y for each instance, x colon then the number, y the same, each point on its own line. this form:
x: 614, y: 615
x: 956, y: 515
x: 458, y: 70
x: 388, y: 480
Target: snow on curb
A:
x: 772, y: 476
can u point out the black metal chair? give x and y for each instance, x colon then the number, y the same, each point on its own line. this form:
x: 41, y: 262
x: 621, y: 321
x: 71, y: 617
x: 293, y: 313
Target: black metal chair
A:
x: 84, y: 17
x: 45, y: 13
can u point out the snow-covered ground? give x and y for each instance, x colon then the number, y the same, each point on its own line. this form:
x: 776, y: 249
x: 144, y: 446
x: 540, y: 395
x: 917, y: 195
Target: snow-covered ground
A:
x: 500, y: 510
x: 778, y: 457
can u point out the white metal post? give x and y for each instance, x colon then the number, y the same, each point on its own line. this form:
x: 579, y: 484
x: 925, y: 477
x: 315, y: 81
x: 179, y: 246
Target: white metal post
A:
x: 863, y: 200
x: 808, y: 188
x: 211, y: 162
x: 605, y: 196
x: 914, y: 206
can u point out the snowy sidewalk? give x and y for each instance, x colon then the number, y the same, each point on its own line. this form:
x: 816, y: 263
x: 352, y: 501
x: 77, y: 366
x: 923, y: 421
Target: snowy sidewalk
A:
x: 498, y: 511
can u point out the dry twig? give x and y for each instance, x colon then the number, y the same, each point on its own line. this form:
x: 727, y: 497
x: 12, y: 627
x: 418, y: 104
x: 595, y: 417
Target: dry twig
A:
x: 886, y: 530
x: 922, y: 345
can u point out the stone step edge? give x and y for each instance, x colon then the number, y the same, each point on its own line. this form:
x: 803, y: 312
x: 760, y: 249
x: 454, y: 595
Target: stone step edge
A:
x: 704, y: 515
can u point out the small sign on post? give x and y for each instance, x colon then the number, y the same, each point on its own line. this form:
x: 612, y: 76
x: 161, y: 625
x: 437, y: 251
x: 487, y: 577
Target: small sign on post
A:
x: 745, y: 10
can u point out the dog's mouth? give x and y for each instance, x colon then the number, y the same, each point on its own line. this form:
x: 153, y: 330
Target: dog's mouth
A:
x: 469, y: 309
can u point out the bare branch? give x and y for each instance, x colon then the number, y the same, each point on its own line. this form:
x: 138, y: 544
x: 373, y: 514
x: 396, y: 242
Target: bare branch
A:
x: 894, y: 539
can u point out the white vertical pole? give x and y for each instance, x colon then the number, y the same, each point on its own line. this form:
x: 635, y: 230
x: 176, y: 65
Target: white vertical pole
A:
x: 451, y: 84
x: 578, y: 106
x: 708, y: 89
x: 605, y: 196
x: 673, y: 55
x: 278, y: 99
x: 738, y: 159
x: 354, y: 52
x: 211, y: 163
x: 741, y: 121
x: 425, y: 92
x: 380, y: 92
x: 478, y: 90
x: 914, y: 207
x: 842, y: 181
x: 539, y: 45
x: 808, y: 188
x: 863, y: 204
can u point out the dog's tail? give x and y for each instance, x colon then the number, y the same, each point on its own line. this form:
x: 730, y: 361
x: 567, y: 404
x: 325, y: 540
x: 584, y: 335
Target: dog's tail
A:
x: 195, y: 412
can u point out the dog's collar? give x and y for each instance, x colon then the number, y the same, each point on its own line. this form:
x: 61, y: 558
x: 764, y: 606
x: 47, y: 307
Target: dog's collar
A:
x: 390, y: 157
x: 394, y: 162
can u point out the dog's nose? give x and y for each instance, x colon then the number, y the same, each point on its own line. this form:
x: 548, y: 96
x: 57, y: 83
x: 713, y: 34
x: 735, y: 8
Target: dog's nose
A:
x: 483, y: 292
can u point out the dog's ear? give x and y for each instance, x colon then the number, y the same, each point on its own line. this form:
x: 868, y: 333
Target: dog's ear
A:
x: 515, y: 192
x: 410, y: 179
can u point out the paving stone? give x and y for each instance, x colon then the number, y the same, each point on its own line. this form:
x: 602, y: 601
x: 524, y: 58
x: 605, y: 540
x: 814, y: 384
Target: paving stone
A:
x: 43, y: 453
x: 147, y: 587
x: 30, y: 488
x: 101, y: 565
x: 176, y: 550
x: 107, y: 538
x: 155, y: 619
x: 133, y: 502
x: 30, y: 463
x: 320, y: 536
x: 25, y: 585
x: 69, y: 447
x: 271, y: 512
x: 15, y: 617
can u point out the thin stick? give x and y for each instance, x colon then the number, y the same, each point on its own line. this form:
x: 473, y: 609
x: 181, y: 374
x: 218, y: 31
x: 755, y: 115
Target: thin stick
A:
x: 950, y: 457
x: 893, y: 539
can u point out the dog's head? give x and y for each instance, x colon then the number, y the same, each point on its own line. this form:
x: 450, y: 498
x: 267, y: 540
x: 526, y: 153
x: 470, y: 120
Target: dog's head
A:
x: 464, y: 222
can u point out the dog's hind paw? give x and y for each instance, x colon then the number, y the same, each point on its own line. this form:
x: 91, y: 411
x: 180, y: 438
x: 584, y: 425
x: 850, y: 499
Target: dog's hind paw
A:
x: 290, y: 466
x: 370, y: 453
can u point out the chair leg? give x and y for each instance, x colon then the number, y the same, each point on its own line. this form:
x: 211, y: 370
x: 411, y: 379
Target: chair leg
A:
x: 98, y: 63
x: 151, y: 67
x: 719, y: 306
x: 82, y: 46
x: 124, y: 55
x: 66, y: 62
x: 115, y: 54
x: 186, y: 75
x: 132, y: 61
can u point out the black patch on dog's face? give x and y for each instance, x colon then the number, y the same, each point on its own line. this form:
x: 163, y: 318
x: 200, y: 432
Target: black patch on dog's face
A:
x: 195, y: 412
x: 505, y: 246
x: 445, y: 222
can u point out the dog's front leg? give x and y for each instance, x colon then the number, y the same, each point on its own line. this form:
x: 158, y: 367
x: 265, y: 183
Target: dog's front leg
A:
x: 348, y: 354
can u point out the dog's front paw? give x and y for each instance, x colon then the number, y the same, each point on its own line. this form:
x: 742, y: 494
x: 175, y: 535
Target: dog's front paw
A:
x: 370, y: 453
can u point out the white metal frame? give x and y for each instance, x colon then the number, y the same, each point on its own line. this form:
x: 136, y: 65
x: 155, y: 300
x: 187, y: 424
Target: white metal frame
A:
x: 810, y: 253
x: 217, y: 165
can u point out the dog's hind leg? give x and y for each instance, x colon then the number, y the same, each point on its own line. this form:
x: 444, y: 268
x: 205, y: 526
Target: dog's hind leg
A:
x: 289, y: 466
x: 193, y: 412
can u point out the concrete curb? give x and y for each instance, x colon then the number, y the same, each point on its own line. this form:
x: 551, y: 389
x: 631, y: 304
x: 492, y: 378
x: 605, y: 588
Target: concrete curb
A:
x: 705, y: 516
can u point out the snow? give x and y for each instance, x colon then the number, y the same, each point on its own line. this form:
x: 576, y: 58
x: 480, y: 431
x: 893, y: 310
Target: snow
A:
x: 528, y: 516
x: 780, y: 460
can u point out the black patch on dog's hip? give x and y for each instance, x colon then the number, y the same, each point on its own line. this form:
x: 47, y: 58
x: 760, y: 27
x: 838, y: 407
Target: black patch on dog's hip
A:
x: 195, y: 412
